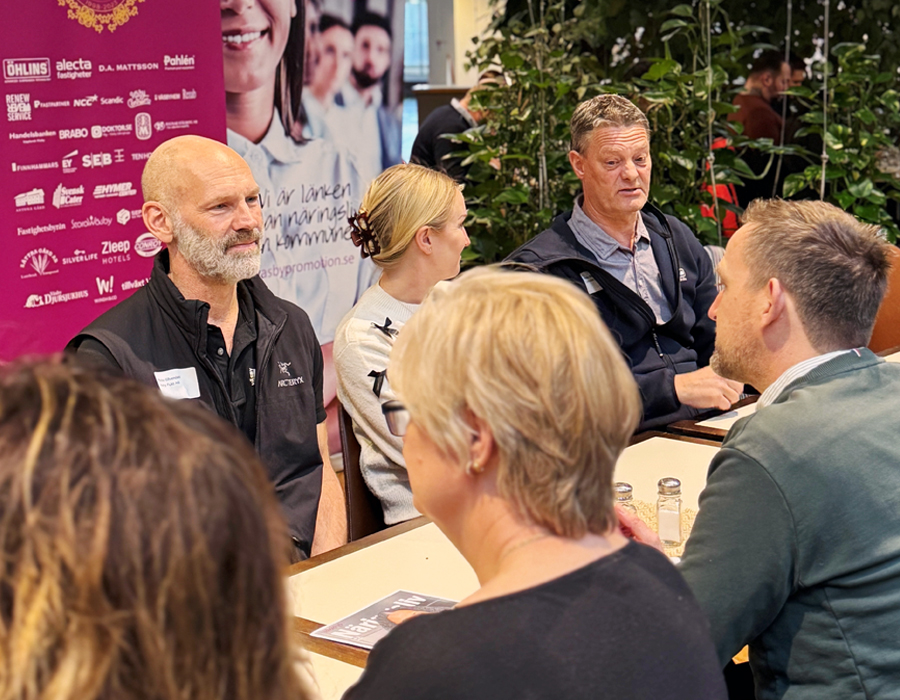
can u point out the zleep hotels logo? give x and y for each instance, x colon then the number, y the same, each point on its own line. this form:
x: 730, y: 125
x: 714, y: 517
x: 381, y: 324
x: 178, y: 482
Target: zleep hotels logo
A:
x: 97, y: 14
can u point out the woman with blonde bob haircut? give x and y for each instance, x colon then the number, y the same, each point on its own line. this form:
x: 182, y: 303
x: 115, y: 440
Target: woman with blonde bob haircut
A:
x: 142, y: 548
x: 516, y: 403
x: 411, y: 223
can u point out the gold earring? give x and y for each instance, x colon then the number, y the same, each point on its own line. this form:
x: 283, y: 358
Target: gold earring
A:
x: 473, y: 467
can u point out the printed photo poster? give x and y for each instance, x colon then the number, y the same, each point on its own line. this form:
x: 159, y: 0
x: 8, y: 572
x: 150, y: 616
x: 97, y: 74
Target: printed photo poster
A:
x: 91, y: 87
x: 312, y: 93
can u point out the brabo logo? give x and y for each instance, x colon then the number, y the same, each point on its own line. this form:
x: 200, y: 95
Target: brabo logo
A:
x: 72, y: 134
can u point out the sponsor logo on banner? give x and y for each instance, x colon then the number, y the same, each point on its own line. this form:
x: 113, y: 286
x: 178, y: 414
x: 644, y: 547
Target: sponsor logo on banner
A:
x: 96, y: 160
x: 134, y: 284
x: 141, y: 156
x: 39, y: 263
x: 31, y: 200
x: 68, y: 196
x: 181, y: 124
x: 79, y: 256
x: 32, y: 136
x: 188, y: 94
x: 68, y: 162
x: 147, y: 245
x: 167, y: 96
x: 18, y: 107
x: 27, y: 167
x: 123, y: 216
x: 99, y: 132
x: 26, y: 70
x: 73, y: 70
x: 138, y: 98
x: 105, y: 288
x: 179, y: 62
x: 88, y: 101
x: 119, y: 189
x: 113, y: 252
x: 52, y: 104
x: 109, y: 14
x: 143, y: 128
x: 65, y: 134
x: 118, y: 100
x: 92, y: 221
x: 128, y: 67
x: 35, y: 230
x: 35, y: 301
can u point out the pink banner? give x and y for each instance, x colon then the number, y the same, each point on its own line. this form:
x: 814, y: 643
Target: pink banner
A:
x: 91, y: 87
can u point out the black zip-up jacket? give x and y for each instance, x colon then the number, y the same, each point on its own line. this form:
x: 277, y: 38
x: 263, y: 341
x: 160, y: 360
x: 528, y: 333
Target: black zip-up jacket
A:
x: 656, y: 352
x: 157, y: 329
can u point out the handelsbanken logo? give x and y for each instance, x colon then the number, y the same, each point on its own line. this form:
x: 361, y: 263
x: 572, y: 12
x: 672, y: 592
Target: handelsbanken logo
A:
x: 26, y: 70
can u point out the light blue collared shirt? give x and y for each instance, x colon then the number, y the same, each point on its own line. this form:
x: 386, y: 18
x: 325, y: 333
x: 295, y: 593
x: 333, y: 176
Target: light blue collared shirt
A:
x: 636, y: 269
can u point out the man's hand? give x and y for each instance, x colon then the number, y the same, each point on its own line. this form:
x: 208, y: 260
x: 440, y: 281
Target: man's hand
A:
x: 636, y: 529
x: 704, y: 388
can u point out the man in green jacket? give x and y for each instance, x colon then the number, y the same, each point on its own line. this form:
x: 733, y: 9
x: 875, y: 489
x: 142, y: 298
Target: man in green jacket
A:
x: 796, y: 548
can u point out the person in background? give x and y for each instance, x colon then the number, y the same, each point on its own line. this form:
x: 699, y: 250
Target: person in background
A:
x: 376, y: 144
x: 432, y: 149
x: 412, y: 226
x: 206, y: 327
x: 334, y: 58
x: 646, y: 272
x: 307, y: 187
x: 142, y: 547
x: 796, y: 547
x: 510, y: 448
x: 770, y: 76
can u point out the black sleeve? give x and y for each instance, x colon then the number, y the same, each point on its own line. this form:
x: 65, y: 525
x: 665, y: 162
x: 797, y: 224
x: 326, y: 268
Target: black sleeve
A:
x: 318, y: 374
x: 704, y: 330
x: 92, y: 352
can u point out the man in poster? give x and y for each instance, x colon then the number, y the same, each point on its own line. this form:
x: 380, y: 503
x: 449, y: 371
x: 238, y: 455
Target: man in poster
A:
x: 308, y: 188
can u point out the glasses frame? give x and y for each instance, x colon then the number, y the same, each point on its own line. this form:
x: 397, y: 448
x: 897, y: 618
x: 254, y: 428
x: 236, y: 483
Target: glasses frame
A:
x: 396, y: 416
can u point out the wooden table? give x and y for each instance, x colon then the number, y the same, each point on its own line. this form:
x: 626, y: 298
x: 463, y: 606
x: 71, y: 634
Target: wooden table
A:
x: 714, y: 425
x: 416, y: 556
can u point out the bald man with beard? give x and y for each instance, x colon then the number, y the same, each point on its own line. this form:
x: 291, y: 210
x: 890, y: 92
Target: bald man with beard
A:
x: 206, y: 328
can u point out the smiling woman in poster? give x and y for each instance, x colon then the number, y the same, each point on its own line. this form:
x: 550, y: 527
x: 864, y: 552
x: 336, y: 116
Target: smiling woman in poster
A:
x: 308, y: 188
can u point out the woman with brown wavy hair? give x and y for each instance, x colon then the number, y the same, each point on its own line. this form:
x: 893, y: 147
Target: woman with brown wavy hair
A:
x: 141, y: 547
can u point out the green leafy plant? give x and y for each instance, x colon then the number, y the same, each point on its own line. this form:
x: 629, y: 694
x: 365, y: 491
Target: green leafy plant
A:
x: 861, y: 126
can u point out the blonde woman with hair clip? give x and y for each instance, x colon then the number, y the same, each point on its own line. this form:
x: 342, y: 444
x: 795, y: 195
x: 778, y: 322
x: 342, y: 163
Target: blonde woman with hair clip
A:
x: 514, y: 405
x: 411, y: 224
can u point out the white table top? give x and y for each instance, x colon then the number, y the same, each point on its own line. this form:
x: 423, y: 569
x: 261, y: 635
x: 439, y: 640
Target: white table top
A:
x: 644, y: 464
x: 726, y: 420
x: 893, y: 358
x: 421, y: 560
x: 333, y: 676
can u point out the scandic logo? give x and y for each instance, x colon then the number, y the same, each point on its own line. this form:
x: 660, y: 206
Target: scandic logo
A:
x: 26, y: 70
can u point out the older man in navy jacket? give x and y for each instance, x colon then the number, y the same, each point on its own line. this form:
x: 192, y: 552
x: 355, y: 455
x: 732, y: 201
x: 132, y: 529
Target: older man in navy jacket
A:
x: 648, y: 275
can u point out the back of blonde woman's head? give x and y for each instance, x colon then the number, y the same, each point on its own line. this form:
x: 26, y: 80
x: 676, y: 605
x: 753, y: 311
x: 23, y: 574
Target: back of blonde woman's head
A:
x: 140, y: 545
x: 529, y: 355
x: 403, y: 199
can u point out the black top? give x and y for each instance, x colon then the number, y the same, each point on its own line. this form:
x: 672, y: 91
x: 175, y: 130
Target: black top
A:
x: 625, y: 626
x: 431, y: 150
x: 156, y: 333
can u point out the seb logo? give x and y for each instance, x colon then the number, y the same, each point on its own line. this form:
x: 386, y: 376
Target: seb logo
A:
x: 26, y: 70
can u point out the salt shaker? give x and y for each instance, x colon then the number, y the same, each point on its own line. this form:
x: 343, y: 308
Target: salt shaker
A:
x: 668, y: 511
x: 625, y: 496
